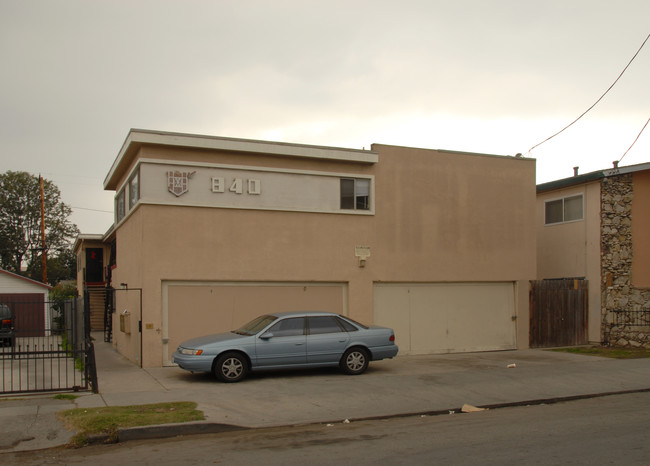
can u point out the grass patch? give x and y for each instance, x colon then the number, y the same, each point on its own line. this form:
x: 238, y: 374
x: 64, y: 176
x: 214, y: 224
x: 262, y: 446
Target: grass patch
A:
x: 607, y: 352
x: 65, y: 396
x: 106, y: 421
x: 65, y: 344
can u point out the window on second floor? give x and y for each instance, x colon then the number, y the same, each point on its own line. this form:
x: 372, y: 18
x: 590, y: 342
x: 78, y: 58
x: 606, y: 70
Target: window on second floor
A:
x: 567, y: 209
x: 120, y: 207
x: 134, y: 189
x: 355, y: 193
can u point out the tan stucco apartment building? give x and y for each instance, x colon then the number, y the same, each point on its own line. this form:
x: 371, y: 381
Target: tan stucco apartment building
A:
x: 211, y: 232
x: 595, y: 226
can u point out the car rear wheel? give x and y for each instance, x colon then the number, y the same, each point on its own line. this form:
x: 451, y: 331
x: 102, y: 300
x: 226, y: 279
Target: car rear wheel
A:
x: 355, y: 361
x: 230, y: 367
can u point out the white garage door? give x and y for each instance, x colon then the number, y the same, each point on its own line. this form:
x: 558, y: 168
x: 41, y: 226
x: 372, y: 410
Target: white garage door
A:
x: 447, y: 317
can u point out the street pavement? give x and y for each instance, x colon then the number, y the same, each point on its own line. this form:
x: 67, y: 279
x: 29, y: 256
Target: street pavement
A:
x: 406, y: 385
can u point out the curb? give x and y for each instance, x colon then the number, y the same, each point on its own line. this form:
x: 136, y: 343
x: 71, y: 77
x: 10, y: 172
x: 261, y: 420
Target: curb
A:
x: 195, y: 428
x: 512, y: 404
x: 160, y: 431
x: 173, y: 430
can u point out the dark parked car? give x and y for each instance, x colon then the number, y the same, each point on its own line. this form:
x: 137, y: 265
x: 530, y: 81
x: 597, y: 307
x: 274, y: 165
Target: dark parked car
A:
x: 7, y: 334
x: 288, y: 340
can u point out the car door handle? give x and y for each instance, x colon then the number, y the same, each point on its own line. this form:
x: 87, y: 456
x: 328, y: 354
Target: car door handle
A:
x: 299, y: 344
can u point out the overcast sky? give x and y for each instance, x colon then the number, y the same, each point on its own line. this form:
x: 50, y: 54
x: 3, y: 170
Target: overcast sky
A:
x: 488, y: 76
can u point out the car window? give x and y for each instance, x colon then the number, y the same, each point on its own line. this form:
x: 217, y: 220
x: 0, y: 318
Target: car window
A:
x: 347, y: 325
x: 323, y: 324
x: 355, y: 322
x: 255, y: 325
x: 289, y: 327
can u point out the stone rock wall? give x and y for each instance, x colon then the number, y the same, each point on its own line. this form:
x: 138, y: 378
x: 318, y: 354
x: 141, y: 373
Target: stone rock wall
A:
x: 621, y: 302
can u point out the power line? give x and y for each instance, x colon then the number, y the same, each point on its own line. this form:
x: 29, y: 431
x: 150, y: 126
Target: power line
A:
x: 94, y: 210
x: 595, y: 103
x: 637, y: 138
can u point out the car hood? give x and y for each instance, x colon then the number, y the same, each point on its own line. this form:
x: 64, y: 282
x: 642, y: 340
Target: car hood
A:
x: 211, y: 339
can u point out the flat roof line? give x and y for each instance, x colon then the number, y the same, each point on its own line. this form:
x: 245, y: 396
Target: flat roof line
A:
x: 138, y: 137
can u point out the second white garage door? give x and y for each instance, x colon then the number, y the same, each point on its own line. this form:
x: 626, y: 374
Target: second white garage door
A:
x: 447, y: 317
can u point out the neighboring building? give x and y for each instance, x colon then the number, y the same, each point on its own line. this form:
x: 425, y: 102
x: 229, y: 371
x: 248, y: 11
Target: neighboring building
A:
x: 211, y: 232
x: 28, y: 299
x: 94, y: 271
x: 596, y: 226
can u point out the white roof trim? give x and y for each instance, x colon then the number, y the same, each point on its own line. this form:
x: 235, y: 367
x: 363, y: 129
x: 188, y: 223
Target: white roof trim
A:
x: 137, y: 136
x: 627, y: 169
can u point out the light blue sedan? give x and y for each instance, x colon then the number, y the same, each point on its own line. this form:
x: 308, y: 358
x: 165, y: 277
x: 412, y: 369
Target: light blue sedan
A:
x: 288, y: 340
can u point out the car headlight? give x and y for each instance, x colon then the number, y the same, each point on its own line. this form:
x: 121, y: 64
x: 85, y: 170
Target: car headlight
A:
x: 191, y: 352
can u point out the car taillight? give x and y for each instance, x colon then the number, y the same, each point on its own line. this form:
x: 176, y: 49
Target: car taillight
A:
x: 392, y: 338
x: 6, y: 321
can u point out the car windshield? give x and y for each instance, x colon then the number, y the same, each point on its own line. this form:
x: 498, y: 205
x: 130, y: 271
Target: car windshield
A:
x: 5, y: 312
x: 255, y: 325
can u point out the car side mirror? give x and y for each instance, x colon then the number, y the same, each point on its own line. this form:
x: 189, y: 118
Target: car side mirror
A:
x: 266, y: 336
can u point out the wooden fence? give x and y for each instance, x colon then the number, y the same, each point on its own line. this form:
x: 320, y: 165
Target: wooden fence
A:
x: 558, y: 313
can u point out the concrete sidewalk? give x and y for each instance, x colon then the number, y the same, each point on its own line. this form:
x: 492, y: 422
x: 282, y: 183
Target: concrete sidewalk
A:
x: 401, y: 386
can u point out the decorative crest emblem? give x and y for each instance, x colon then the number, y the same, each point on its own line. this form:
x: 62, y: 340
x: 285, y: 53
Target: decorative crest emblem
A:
x: 178, y: 182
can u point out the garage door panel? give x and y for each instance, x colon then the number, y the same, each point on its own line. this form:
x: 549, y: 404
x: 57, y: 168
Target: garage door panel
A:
x: 267, y: 299
x: 482, y: 317
x: 429, y: 325
x: 393, y: 312
x: 449, y: 317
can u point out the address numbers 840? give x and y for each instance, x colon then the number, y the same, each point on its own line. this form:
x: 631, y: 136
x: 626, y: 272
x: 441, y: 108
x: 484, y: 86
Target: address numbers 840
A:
x: 236, y: 185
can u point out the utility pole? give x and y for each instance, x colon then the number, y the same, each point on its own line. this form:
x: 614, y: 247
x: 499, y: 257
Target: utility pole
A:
x: 44, y: 250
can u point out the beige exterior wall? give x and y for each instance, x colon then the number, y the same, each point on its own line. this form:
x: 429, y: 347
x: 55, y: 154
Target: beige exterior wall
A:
x: 572, y: 249
x: 640, y: 228
x: 437, y: 217
x: 450, y: 217
x: 131, y: 268
x: 447, y: 217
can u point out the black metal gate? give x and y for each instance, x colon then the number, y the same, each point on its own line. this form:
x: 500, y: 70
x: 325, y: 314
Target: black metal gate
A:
x: 49, y: 348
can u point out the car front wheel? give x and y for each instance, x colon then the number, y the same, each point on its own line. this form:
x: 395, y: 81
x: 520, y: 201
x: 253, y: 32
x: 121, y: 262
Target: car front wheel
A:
x: 355, y: 361
x: 230, y: 367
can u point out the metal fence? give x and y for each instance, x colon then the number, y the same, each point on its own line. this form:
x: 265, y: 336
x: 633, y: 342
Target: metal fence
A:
x: 49, y: 349
x: 631, y: 319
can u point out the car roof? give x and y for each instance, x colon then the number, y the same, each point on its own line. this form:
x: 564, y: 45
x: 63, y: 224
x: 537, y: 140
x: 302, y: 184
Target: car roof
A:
x: 302, y: 313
